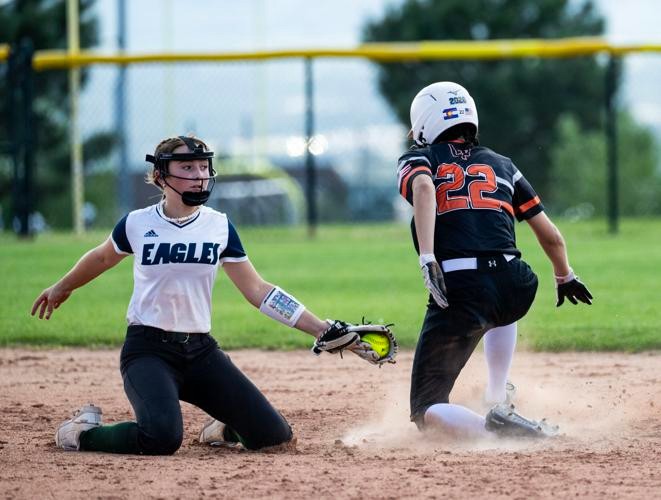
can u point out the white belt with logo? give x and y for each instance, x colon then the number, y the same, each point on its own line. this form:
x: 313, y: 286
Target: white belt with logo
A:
x: 466, y: 263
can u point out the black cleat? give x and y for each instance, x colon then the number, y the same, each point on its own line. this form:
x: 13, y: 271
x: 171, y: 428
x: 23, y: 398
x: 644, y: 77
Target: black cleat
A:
x: 504, y: 421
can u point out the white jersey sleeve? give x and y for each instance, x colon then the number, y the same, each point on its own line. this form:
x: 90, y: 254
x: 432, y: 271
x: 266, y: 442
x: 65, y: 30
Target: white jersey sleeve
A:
x: 119, y: 239
x: 234, y: 251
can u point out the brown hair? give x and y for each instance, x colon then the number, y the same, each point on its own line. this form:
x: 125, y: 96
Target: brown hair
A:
x: 168, y: 146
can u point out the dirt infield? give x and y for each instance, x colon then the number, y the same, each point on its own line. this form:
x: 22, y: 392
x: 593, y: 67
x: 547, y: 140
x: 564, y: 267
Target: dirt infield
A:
x: 354, y: 438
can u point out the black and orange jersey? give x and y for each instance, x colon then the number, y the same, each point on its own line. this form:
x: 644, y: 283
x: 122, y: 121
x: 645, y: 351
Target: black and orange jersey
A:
x: 478, y: 195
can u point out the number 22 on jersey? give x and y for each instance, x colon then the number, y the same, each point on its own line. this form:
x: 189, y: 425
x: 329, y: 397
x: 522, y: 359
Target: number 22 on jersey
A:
x: 453, y: 179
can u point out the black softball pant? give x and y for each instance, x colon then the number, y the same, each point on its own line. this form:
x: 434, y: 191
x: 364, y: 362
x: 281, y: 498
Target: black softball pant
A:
x: 479, y: 301
x: 158, y: 373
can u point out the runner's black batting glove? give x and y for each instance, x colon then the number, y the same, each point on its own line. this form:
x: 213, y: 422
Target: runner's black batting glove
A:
x: 569, y: 287
x: 433, y: 276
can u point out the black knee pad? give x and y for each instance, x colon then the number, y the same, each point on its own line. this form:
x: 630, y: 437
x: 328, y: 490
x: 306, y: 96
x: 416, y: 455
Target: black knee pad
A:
x: 161, y: 437
x: 281, y: 435
x: 159, y: 446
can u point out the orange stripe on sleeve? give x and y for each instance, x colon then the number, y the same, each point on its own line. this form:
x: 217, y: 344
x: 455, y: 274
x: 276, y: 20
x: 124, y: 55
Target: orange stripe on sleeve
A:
x: 404, y: 186
x: 529, y: 204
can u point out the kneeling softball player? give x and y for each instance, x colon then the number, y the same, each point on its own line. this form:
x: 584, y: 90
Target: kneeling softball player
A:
x: 168, y: 354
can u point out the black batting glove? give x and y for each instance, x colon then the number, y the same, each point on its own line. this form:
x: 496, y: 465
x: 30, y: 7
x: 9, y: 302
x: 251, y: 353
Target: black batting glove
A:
x: 569, y: 287
x: 433, y: 276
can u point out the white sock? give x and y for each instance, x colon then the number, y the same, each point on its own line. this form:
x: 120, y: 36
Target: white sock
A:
x: 455, y: 420
x: 499, y: 344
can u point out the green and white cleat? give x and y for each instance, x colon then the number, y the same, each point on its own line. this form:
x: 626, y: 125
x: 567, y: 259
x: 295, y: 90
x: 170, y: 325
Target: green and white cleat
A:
x: 68, y: 433
x: 216, y: 433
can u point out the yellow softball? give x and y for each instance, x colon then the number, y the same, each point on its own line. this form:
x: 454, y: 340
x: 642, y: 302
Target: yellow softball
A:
x: 379, y: 343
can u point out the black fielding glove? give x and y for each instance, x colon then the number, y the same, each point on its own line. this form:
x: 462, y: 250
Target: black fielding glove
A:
x: 373, y: 343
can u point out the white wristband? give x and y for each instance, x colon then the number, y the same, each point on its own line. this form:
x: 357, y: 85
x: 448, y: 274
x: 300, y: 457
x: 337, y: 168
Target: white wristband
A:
x: 426, y: 258
x: 561, y: 280
x: 282, y: 307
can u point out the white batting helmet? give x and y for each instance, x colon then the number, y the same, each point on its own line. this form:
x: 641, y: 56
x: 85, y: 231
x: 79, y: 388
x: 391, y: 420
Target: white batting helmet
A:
x: 438, y: 107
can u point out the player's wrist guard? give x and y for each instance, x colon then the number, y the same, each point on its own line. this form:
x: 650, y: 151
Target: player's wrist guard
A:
x: 426, y: 258
x: 282, y: 307
x: 561, y: 280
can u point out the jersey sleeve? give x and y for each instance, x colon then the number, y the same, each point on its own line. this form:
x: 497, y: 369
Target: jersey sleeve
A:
x: 525, y: 201
x: 120, y: 240
x: 411, y: 165
x: 234, y: 251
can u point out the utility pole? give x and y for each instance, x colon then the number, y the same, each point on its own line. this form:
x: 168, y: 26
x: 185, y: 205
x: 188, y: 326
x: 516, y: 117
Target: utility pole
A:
x: 21, y: 141
x: 612, y: 77
x: 124, y: 181
x: 310, y: 170
x: 77, y: 185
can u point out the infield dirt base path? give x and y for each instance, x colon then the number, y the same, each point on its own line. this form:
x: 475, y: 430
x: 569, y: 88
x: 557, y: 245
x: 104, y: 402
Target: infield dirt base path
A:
x: 354, y: 437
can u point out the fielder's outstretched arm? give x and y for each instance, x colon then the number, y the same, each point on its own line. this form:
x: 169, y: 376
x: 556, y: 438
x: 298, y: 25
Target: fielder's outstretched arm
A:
x: 332, y: 336
x: 90, y: 265
x: 257, y: 291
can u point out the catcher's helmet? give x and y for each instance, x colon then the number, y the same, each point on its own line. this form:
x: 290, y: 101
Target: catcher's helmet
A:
x: 438, y: 107
x: 196, y: 151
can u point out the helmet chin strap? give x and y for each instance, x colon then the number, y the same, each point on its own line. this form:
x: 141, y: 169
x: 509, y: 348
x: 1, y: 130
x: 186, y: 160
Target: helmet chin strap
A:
x: 192, y: 198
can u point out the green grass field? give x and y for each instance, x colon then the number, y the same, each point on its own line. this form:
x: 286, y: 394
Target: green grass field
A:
x: 348, y: 272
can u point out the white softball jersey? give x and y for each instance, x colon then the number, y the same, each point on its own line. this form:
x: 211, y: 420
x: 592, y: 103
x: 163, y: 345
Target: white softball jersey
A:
x: 175, y: 265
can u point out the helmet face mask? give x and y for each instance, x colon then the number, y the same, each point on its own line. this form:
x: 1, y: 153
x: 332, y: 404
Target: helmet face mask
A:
x: 195, y: 152
x: 438, y: 107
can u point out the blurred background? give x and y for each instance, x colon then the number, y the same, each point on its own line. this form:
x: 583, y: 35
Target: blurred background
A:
x: 549, y: 115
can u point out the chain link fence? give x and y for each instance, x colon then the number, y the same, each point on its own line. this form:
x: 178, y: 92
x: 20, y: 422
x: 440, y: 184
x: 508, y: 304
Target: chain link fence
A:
x: 253, y: 115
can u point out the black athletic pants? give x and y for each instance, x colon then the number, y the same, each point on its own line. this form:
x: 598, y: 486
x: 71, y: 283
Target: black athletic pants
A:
x: 162, y: 368
x: 479, y: 300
